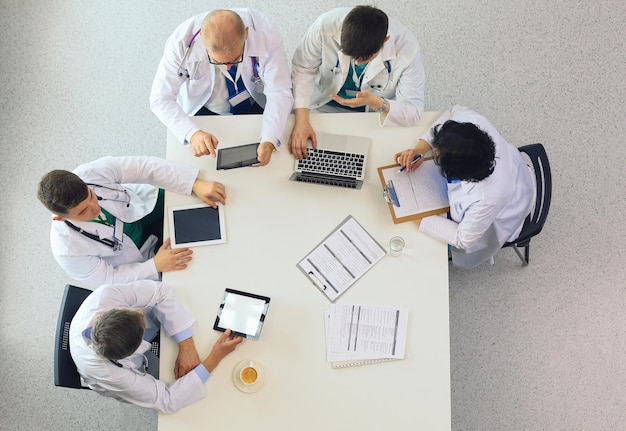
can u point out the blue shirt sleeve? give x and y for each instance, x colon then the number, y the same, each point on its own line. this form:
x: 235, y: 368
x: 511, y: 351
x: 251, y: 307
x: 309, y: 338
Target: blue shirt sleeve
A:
x: 183, y: 335
x: 202, y: 372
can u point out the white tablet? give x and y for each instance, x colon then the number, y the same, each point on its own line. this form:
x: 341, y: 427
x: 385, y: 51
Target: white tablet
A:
x: 196, y: 224
x: 243, y: 313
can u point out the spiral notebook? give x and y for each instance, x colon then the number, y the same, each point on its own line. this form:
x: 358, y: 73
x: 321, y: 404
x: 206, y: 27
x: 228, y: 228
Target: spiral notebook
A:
x: 364, y: 334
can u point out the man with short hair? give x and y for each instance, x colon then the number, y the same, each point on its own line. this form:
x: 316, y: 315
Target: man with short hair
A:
x: 108, y: 215
x: 110, y: 334
x: 355, y: 60
x: 229, y: 61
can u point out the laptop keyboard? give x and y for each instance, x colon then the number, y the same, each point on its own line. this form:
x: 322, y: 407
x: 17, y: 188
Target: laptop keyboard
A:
x: 304, y: 178
x: 333, y: 163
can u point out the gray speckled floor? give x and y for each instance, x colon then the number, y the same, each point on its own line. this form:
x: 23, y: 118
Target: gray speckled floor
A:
x: 536, y: 348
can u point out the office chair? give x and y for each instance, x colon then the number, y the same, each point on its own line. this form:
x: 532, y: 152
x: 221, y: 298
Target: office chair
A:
x: 537, y: 217
x: 65, y: 372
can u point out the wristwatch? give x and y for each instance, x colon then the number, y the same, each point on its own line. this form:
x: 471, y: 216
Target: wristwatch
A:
x: 382, y: 108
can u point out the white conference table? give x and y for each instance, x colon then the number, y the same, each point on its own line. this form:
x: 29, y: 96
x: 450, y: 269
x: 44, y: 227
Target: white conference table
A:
x: 271, y: 224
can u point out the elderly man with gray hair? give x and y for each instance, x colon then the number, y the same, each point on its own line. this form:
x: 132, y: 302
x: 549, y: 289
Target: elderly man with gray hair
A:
x: 226, y: 62
x: 109, y: 336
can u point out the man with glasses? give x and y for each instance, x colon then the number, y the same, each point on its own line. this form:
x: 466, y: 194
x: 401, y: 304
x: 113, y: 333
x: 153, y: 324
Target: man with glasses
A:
x: 108, y: 217
x: 355, y: 60
x: 226, y: 62
x: 109, y: 336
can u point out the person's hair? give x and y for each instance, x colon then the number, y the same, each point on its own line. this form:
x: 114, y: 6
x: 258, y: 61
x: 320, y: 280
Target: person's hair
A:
x: 363, y: 32
x: 117, y: 333
x: 60, y: 191
x: 464, y: 151
x: 223, y: 30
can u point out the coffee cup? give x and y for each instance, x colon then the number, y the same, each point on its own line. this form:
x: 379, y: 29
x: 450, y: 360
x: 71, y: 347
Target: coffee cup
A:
x: 249, y: 374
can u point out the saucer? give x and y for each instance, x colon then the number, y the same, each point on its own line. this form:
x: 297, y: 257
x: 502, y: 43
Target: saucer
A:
x: 249, y: 388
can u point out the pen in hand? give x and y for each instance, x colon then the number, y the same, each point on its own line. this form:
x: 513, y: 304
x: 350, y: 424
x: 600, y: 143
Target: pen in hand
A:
x: 415, y: 159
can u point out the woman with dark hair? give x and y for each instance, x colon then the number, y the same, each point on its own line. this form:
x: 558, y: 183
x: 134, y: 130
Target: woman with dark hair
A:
x: 490, y: 188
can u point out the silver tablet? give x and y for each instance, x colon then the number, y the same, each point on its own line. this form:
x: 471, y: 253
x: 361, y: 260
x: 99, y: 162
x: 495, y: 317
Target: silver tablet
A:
x: 196, y: 224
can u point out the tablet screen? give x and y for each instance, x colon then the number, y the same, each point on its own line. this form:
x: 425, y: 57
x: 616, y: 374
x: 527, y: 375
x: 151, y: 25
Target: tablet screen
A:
x: 237, y: 157
x: 196, y: 225
x: 243, y: 313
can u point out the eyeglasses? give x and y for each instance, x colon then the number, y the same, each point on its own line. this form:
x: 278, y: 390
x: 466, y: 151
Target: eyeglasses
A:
x: 243, y: 48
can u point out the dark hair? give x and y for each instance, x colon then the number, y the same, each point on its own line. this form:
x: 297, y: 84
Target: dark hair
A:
x: 60, y: 191
x: 117, y: 333
x: 363, y: 32
x: 464, y: 151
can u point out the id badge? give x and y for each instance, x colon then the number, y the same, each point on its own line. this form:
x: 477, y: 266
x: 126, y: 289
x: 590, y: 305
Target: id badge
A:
x: 118, y: 230
x: 242, y: 96
x: 351, y: 93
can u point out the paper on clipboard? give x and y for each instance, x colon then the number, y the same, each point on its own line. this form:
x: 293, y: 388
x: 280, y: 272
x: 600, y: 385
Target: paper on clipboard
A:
x: 342, y: 258
x: 420, y: 193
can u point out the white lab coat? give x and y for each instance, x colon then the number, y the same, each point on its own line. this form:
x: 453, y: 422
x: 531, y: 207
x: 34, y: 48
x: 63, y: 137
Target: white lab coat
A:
x: 174, y: 98
x: 93, y: 263
x: 315, y: 61
x: 126, y: 383
x: 488, y: 213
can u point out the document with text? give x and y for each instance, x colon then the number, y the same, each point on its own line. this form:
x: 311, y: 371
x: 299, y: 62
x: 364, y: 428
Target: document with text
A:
x: 361, y: 334
x: 420, y: 193
x: 341, y: 258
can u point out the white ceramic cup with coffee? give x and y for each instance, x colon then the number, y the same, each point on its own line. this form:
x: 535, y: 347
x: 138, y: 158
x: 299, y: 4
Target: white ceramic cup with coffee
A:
x: 249, y: 374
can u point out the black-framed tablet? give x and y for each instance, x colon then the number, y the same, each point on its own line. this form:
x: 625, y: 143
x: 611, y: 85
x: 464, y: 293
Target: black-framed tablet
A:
x: 237, y: 157
x: 196, y: 225
x: 243, y: 313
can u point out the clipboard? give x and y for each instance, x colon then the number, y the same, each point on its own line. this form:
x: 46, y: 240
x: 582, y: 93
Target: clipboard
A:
x: 414, y: 195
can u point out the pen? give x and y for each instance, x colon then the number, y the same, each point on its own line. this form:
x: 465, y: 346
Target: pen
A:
x: 415, y: 159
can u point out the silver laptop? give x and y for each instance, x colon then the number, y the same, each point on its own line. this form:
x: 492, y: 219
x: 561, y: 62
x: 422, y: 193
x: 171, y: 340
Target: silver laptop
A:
x: 339, y: 161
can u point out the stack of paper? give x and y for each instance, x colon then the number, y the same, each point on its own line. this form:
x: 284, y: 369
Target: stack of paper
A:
x: 364, y: 334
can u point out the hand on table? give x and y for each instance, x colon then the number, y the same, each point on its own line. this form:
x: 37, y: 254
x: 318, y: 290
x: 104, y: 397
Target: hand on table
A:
x: 169, y: 259
x: 187, y: 358
x: 210, y: 192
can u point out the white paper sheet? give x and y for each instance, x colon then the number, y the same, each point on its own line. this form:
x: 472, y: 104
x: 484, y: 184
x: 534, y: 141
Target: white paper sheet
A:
x: 365, y: 332
x: 341, y: 258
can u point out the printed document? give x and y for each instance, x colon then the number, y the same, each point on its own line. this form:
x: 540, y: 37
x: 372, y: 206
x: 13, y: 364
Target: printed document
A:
x: 341, y: 258
x: 365, y: 332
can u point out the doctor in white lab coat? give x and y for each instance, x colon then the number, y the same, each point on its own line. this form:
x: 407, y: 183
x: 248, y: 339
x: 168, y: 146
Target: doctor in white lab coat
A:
x: 193, y: 76
x: 125, y: 378
x: 392, y: 82
x: 484, y: 212
x: 127, y: 188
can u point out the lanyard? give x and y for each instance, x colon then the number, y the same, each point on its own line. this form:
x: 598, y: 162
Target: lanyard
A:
x: 357, y: 79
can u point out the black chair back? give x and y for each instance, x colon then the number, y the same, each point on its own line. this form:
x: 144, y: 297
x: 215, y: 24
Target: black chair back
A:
x: 537, y: 218
x: 65, y: 373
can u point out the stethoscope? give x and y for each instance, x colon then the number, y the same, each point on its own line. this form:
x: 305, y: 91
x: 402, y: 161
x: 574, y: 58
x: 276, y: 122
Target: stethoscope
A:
x: 114, y: 243
x: 337, y: 71
x: 125, y: 200
x: 186, y: 55
x: 256, y: 78
x: 141, y: 372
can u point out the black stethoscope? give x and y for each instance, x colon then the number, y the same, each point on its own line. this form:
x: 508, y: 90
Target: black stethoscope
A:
x: 114, y: 243
x: 256, y: 78
x: 337, y: 71
x: 141, y: 372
